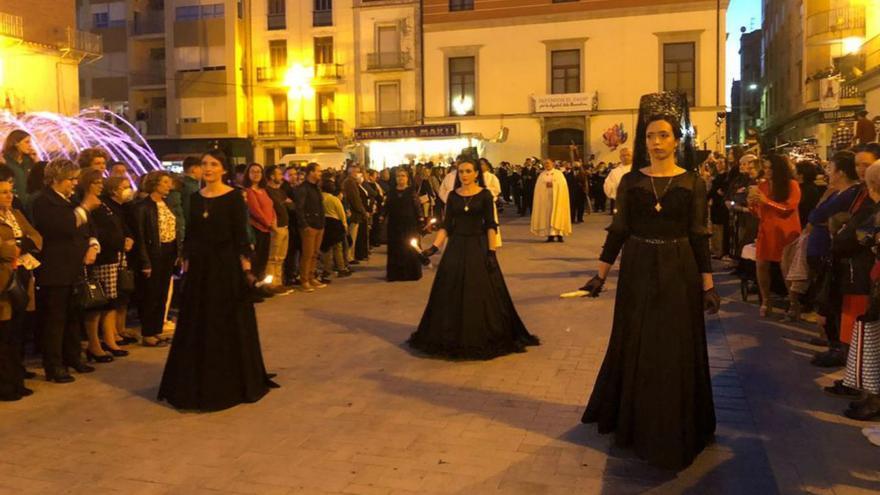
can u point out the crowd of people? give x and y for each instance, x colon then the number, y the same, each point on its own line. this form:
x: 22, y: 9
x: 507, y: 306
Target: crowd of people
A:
x: 801, y: 232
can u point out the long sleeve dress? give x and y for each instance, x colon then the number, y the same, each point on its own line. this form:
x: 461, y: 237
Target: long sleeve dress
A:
x: 404, y: 216
x: 215, y: 360
x: 779, y: 223
x: 654, y: 390
x: 470, y: 314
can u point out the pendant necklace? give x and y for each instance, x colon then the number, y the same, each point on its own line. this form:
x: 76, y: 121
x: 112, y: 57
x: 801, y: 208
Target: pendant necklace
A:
x: 657, y: 205
x: 207, y: 211
x: 467, y: 201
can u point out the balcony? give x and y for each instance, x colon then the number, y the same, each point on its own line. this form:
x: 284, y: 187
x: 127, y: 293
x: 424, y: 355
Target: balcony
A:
x: 322, y: 18
x: 388, y: 60
x: 11, y: 26
x: 150, y: 22
x: 81, y: 44
x: 383, y: 119
x: 847, y: 91
x: 833, y: 25
x: 276, y: 21
x: 323, y: 127
x: 265, y: 74
x: 155, y: 123
x: 328, y: 72
x: 276, y: 128
x: 152, y: 74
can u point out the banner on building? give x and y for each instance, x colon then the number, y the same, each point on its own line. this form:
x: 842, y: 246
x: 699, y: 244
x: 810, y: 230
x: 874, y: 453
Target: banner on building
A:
x: 405, y: 132
x: 572, y: 102
x: 829, y: 94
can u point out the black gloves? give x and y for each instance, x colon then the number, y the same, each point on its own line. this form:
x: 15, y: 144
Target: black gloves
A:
x: 711, y: 301
x: 491, y: 261
x: 594, y: 286
x: 425, y: 256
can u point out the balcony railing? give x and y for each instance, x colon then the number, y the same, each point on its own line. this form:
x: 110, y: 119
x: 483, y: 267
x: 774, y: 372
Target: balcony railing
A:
x: 380, y: 119
x: 276, y: 21
x: 149, y: 22
x: 323, y: 127
x: 388, y: 60
x: 328, y: 72
x: 81, y: 42
x: 847, y: 90
x: 11, y: 26
x: 836, y: 24
x: 269, y: 74
x: 271, y: 128
x: 152, y: 74
x: 322, y: 18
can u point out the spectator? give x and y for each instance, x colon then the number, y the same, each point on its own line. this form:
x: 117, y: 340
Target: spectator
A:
x: 775, y: 203
x: 279, y: 237
x: 261, y: 216
x: 865, y: 131
x: 95, y: 158
x: 116, y: 202
x: 310, y: 216
x: 192, y: 181
x: 719, y: 215
x: 157, y: 248
x: 805, y: 174
x: 335, y: 230
x: 66, y: 248
x: 20, y: 156
x: 354, y: 196
x: 19, y: 241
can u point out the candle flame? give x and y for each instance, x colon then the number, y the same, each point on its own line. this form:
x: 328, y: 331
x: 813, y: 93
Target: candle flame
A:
x: 414, y: 243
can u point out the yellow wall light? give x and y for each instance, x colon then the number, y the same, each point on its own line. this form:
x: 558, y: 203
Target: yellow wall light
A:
x: 298, y: 80
x: 852, y: 45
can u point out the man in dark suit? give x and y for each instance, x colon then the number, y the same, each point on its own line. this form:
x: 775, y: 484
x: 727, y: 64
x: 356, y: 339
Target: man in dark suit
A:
x: 67, y: 247
x: 360, y: 216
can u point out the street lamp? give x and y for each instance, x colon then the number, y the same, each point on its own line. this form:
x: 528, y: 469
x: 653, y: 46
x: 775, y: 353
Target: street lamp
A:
x: 852, y: 45
x: 463, y: 105
x: 298, y: 80
x: 753, y: 87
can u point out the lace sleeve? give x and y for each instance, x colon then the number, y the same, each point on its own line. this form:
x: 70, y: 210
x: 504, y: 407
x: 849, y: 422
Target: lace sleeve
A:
x: 699, y: 227
x: 618, y: 231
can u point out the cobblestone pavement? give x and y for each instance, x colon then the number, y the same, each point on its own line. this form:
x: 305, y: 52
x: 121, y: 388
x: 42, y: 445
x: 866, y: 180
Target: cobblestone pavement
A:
x: 359, y: 414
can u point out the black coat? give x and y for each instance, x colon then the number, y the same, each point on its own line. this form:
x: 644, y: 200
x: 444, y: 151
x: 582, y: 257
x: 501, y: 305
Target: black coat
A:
x: 64, y: 244
x: 147, y: 246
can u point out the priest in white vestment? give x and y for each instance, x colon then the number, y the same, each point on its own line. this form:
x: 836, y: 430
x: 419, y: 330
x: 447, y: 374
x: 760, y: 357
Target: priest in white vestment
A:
x: 551, y: 211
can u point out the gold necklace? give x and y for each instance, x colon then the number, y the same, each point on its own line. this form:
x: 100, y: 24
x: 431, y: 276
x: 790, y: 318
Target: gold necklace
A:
x: 467, y: 201
x: 657, y: 205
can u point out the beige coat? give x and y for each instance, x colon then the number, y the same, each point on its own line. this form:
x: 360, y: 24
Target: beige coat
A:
x: 7, y: 257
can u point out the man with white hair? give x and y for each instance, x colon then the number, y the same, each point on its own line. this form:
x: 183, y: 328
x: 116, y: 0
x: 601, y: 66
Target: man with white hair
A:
x: 617, y: 173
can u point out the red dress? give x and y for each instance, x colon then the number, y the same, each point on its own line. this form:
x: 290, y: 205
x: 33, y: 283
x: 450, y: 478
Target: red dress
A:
x: 779, y: 222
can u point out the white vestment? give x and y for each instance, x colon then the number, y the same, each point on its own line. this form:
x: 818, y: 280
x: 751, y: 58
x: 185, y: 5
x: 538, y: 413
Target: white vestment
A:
x: 613, y: 179
x: 551, y: 211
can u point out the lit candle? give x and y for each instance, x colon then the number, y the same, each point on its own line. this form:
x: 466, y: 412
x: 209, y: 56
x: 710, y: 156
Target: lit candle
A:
x: 415, y: 244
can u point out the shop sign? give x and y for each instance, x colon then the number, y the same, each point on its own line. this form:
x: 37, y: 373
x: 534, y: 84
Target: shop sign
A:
x: 413, y: 131
x: 839, y: 115
x: 570, y: 102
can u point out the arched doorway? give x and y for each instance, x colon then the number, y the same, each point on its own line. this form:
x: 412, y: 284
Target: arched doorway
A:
x: 559, y: 143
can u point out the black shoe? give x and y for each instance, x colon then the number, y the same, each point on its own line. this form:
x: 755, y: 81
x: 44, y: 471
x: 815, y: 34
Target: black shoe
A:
x: 559, y: 238
x: 343, y: 274
x: 114, y: 352
x: 550, y: 238
x: 59, y: 376
x: 126, y: 341
x: 868, y: 410
x: 354, y: 262
x: 90, y: 356
x: 325, y: 280
x: 842, y: 391
x: 29, y: 375
x: 10, y: 398
x: 24, y: 391
x: 832, y: 358
x: 84, y: 368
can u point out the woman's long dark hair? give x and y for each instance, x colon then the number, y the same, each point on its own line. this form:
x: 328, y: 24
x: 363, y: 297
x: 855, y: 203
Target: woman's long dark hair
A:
x: 480, y: 181
x: 12, y: 140
x: 220, y: 156
x: 247, y: 182
x: 780, y: 182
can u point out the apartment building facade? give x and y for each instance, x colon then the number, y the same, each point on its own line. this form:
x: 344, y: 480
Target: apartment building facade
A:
x: 39, y: 42
x: 532, y: 77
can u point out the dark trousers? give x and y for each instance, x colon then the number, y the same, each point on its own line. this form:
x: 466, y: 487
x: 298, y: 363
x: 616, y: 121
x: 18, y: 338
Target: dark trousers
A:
x: 154, y: 290
x: 60, y: 335
x: 580, y: 206
x: 362, y: 243
x: 294, y: 251
x: 11, y: 373
x: 261, y: 253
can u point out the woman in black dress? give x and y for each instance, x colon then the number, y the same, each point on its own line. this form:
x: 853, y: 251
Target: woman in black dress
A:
x: 470, y: 314
x: 404, y: 218
x: 215, y: 360
x: 653, y: 390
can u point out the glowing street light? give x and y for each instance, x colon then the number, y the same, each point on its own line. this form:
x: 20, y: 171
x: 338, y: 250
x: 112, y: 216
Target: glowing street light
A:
x: 753, y: 87
x: 298, y: 80
x: 852, y: 45
x: 463, y: 105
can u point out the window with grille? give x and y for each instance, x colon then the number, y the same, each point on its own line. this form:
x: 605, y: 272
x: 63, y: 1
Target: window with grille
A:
x: 278, y: 54
x: 276, y: 14
x: 679, y: 69
x: 565, y: 71
x: 101, y: 20
x: 462, y: 85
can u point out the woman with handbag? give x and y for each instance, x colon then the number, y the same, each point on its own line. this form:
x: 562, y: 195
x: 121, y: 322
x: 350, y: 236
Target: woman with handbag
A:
x: 109, y: 227
x: 117, y: 198
x: 18, y: 241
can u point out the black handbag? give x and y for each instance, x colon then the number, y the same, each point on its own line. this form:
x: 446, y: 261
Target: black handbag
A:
x: 17, y: 289
x: 125, y: 277
x: 89, y: 293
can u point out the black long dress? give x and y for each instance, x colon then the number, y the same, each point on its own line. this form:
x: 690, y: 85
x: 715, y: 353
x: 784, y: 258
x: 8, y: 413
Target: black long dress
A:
x: 470, y: 314
x: 404, y: 214
x: 654, y: 390
x: 215, y: 360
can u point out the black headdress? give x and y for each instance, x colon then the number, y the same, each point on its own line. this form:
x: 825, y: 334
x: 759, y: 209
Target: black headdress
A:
x: 671, y: 106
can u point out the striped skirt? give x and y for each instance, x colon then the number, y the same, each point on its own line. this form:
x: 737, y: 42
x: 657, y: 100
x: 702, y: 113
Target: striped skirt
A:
x: 863, y: 361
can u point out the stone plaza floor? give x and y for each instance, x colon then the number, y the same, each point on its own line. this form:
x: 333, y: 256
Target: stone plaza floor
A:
x: 358, y: 413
